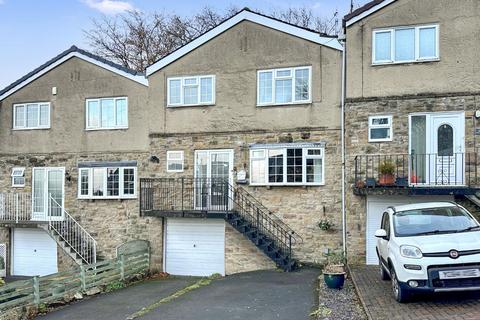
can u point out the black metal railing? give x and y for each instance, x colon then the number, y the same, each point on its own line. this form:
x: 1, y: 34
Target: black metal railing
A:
x: 214, y: 195
x: 416, y: 170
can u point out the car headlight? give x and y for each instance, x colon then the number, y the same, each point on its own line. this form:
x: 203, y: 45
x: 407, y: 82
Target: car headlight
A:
x: 411, y: 252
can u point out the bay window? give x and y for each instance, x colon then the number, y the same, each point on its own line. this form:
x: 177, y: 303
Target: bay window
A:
x: 287, y: 165
x: 191, y: 91
x: 284, y: 86
x: 107, y: 113
x: 107, y: 182
x: 31, y: 115
x: 405, y: 44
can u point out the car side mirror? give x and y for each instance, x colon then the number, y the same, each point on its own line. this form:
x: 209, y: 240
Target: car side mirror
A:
x: 381, y: 233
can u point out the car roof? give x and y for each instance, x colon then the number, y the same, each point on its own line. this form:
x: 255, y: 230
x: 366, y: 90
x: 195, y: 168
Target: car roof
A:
x: 423, y: 205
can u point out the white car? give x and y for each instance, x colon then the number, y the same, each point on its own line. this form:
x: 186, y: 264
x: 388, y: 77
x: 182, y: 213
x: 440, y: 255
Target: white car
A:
x: 429, y: 247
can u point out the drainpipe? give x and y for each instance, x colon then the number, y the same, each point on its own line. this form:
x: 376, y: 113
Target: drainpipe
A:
x: 344, y: 214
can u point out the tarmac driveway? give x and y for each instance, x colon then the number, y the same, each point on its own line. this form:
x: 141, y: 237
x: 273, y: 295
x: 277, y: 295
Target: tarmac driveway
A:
x: 260, y: 295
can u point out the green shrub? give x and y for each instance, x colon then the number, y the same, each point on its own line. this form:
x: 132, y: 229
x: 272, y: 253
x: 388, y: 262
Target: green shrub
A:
x: 386, y: 167
x: 2, y: 263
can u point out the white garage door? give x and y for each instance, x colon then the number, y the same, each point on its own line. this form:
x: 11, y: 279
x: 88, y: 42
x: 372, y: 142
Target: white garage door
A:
x: 34, y: 253
x: 375, y: 208
x: 195, y: 247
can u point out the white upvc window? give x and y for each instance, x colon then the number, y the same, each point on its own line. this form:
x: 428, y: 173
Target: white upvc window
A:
x: 18, y: 177
x: 380, y: 128
x: 191, y: 91
x: 287, y: 166
x: 107, y: 113
x: 174, y: 161
x: 405, y: 44
x: 35, y: 115
x: 284, y: 86
x: 107, y: 183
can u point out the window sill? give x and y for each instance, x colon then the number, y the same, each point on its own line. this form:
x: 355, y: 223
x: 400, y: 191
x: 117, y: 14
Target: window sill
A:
x: 190, y: 105
x: 303, y: 185
x: 380, y: 140
x: 103, y: 129
x: 392, y: 63
x: 302, y: 103
x: 107, y: 198
x: 26, y: 129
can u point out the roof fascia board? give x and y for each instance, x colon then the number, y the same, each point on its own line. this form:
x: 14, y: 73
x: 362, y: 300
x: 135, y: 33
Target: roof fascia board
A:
x: 140, y: 79
x: 368, y: 12
x: 250, y: 16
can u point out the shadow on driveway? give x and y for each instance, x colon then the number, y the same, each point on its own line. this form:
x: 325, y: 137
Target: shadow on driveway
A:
x: 258, y: 295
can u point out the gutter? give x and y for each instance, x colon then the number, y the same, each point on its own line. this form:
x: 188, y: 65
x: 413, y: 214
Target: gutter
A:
x: 344, y: 215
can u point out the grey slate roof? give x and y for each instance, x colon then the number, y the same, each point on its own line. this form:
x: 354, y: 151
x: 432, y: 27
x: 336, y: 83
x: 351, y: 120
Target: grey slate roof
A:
x: 63, y: 54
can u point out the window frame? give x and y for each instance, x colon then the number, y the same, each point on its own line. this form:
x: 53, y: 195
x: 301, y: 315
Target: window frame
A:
x: 305, y: 156
x: 25, y: 127
x: 121, y: 190
x: 380, y: 126
x: 292, y: 77
x: 199, y: 91
x: 182, y: 159
x: 417, y: 57
x: 22, y: 175
x: 116, y: 127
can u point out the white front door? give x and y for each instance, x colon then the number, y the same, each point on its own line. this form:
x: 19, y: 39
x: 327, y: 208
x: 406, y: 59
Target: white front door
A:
x: 195, y: 247
x: 34, y: 253
x: 437, y: 152
x: 448, y: 136
x: 213, y: 166
x: 48, y: 193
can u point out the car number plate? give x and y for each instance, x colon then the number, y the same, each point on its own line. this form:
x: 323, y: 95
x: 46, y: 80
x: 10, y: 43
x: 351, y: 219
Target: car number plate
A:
x: 458, y: 274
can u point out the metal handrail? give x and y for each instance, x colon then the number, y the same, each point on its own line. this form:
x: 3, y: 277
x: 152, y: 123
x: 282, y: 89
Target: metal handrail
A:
x: 214, y: 194
x: 80, y: 238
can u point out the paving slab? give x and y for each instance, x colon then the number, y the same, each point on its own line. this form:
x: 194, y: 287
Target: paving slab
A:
x: 379, y: 303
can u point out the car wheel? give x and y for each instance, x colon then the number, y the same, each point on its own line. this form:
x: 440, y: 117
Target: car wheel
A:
x: 383, y: 273
x: 400, y: 294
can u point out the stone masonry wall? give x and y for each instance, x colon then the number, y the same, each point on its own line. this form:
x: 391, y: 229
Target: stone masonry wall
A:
x: 357, y: 113
x: 110, y: 222
x: 300, y: 207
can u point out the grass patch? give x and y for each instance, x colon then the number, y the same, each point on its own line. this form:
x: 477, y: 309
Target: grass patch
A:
x: 200, y: 283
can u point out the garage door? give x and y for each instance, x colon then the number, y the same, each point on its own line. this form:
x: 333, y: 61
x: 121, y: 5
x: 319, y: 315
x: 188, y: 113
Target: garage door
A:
x: 195, y: 247
x: 375, y: 208
x: 34, y: 253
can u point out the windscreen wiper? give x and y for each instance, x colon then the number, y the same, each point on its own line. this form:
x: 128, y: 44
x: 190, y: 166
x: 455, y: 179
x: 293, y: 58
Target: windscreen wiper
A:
x: 469, y: 229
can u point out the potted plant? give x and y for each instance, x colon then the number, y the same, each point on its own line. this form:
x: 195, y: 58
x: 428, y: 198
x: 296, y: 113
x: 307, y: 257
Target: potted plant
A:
x: 325, y: 224
x: 334, y: 271
x: 386, y: 170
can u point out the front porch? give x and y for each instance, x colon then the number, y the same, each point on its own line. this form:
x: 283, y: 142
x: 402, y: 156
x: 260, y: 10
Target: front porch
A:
x: 416, y: 174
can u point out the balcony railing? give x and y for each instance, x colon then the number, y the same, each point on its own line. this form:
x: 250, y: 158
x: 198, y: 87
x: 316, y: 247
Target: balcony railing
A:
x: 15, y: 207
x: 431, y: 170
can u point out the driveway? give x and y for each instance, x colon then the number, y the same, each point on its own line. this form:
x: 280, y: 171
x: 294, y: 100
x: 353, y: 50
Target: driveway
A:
x: 379, y: 303
x: 254, y: 295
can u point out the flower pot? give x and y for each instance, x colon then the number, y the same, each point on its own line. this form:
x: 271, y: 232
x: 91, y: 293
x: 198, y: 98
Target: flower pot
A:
x: 334, y: 280
x: 360, y: 184
x: 386, y: 179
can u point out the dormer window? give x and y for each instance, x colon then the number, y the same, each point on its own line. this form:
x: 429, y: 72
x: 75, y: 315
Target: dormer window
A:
x: 405, y: 44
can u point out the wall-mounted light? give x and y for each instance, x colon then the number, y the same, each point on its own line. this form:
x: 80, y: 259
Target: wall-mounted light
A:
x: 68, y: 177
x: 154, y: 159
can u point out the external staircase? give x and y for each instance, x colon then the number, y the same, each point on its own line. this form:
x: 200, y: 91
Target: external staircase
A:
x: 217, y: 198
x: 68, y: 233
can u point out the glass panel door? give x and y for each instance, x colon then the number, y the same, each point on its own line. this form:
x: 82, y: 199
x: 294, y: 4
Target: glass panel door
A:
x: 212, y: 167
x: 48, y: 193
x: 418, y: 150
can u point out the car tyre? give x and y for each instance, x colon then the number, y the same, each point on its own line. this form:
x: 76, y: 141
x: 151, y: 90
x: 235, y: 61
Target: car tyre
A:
x: 383, y: 273
x: 399, y: 293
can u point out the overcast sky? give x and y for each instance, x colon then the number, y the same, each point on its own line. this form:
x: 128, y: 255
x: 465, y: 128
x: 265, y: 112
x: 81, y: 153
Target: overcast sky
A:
x: 34, y: 31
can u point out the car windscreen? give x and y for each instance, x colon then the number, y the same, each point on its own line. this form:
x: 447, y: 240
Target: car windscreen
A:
x: 432, y: 221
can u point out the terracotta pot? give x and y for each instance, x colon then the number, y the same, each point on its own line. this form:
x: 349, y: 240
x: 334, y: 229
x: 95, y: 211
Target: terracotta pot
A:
x: 413, y: 179
x: 386, y: 179
x: 360, y: 184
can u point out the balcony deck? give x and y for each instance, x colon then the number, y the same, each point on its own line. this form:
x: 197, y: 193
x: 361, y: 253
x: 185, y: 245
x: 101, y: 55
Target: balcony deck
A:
x: 420, y: 174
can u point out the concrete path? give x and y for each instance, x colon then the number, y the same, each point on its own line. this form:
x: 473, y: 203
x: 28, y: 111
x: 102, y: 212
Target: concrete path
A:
x: 257, y: 295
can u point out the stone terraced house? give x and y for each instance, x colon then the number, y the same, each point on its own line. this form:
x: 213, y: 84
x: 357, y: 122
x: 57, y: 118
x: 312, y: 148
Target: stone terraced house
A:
x: 412, y: 110
x: 225, y: 155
